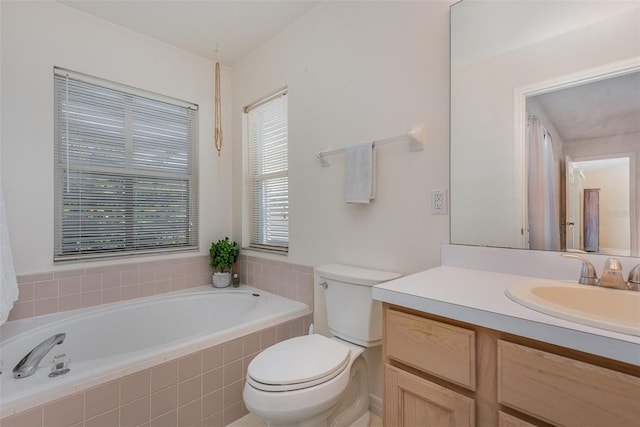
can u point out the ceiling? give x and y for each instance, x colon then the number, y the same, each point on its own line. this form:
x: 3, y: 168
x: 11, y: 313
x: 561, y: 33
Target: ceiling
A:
x: 600, y: 109
x: 220, y: 30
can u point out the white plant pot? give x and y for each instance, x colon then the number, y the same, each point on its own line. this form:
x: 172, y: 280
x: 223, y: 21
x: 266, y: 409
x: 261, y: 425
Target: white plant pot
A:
x: 221, y: 280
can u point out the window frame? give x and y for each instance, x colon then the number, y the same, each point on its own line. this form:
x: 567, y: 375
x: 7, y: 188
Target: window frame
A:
x: 250, y: 233
x: 146, y: 189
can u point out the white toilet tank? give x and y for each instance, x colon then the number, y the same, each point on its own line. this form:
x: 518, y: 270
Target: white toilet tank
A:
x: 352, y: 313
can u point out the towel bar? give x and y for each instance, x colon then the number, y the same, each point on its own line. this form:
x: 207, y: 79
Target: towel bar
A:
x: 416, y: 137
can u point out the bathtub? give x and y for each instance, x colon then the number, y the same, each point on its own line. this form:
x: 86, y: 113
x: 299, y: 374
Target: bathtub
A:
x: 109, y: 341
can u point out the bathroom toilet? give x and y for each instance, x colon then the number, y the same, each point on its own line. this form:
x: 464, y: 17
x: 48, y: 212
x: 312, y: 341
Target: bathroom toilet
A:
x: 312, y: 380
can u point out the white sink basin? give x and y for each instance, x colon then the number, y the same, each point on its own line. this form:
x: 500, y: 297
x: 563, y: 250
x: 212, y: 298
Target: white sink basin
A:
x: 612, y: 309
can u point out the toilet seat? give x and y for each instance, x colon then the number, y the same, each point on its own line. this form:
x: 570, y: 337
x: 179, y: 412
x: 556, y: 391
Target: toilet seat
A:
x: 298, y: 363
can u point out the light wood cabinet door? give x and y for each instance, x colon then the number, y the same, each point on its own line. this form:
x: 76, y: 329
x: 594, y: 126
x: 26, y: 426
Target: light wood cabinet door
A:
x: 565, y: 392
x: 411, y: 401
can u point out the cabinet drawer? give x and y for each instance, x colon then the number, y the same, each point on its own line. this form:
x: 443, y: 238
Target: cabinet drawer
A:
x: 564, y: 391
x: 412, y: 401
x: 436, y: 348
x: 506, y: 420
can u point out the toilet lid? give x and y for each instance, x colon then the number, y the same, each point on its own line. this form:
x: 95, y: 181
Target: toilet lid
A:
x: 298, y: 363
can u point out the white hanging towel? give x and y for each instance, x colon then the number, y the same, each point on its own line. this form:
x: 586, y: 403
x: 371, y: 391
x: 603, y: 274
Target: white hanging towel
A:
x: 8, y: 284
x: 360, y: 184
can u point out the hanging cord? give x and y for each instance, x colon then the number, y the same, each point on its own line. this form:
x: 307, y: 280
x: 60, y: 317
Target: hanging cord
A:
x: 218, y: 113
x: 66, y: 126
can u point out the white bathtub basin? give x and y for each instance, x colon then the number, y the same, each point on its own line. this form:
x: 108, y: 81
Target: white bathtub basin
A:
x: 611, y: 309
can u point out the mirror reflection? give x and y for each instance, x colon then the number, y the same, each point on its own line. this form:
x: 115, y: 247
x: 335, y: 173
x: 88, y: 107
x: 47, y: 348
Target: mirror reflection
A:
x: 545, y: 125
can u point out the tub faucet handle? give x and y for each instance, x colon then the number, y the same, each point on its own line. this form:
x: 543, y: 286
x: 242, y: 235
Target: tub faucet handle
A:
x: 588, y: 275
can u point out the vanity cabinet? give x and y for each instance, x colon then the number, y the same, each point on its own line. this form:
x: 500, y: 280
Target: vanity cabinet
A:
x: 442, y: 372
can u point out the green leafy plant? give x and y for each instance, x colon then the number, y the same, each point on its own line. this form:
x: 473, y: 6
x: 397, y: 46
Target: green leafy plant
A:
x: 223, y: 253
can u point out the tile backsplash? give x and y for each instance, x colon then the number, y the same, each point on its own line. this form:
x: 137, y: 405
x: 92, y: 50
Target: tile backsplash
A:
x: 62, y: 290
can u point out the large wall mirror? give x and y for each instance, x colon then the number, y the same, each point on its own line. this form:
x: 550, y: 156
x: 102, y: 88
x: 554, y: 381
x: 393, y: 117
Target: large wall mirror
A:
x: 545, y: 125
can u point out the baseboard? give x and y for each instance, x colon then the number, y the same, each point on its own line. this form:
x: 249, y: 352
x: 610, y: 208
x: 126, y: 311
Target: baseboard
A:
x: 375, y: 404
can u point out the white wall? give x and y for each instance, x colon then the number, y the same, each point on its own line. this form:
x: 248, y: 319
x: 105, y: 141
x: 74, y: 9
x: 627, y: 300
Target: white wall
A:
x: 357, y: 71
x: 36, y: 36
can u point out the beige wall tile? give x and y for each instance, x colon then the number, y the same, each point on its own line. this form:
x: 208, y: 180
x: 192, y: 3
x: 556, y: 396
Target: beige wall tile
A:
x: 91, y: 298
x: 212, y: 380
x: 135, y: 413
x: 164, y: 401
x: 107, y: 419
x: 189, y: 366
x: 251, y: 343
x: 110, y: 295
x: 111, y: 280
x: 29, y: 418
x: 27, y: 293
x: 267, y: 338
x: 91, y: 283
x: 64, y: 412
x: 135, y: 386
x: 164, y: 375
x: 232, y: 394
x: 35, y: 277
x: 45, y: 306
x: 212, y: 358
x: 170, y: 419
x: 48, y: 289
x: 283, y: 331
x: 101, y: 399
x: 232, y: 372
x: 190, y: 413
x: 71, y: 285
x: 70, y: 302
x: 212, y: 403
x: 232, y: 350
x: 189, y: 390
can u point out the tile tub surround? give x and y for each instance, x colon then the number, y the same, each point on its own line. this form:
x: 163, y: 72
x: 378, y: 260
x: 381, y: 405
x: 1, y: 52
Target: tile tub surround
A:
x: 288, y: 280
x: 200, y: 389
x: 62, y: 290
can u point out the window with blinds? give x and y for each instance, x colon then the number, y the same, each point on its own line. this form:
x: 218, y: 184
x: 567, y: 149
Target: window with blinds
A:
x: 125, y: 170
x: 268, y: 181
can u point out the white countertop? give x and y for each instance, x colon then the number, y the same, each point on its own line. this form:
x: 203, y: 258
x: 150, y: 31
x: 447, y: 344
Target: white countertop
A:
x: 478, y: 297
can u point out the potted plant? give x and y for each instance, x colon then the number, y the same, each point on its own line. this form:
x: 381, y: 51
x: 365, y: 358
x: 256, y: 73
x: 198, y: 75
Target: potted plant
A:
x: 223, y: 253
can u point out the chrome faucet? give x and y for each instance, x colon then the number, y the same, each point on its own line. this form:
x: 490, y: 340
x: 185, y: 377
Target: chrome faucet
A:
x: 588, y: 274
x: 611, y: 274
x: 28, y: 365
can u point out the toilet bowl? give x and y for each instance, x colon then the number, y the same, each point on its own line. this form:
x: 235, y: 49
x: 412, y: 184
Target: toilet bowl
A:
x: 302, y: 381
x: 316, y: 381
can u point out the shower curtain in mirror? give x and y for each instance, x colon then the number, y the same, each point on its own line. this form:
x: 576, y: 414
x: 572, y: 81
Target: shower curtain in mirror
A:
x: 542, y: 200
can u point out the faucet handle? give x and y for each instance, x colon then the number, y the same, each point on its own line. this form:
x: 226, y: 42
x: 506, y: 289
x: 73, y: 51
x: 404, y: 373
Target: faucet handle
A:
x: 634, y: 278
x: 612, y: 275
x: 588, y: 275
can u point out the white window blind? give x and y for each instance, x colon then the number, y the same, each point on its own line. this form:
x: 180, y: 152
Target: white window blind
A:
x: 268, y: 181
x: 125, y: 170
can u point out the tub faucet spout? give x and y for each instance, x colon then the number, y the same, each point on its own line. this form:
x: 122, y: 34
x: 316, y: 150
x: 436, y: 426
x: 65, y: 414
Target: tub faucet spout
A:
x: 29, y: 363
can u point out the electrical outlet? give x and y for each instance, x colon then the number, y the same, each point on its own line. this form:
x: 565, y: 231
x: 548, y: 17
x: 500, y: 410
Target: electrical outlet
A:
x: 439, y: 202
